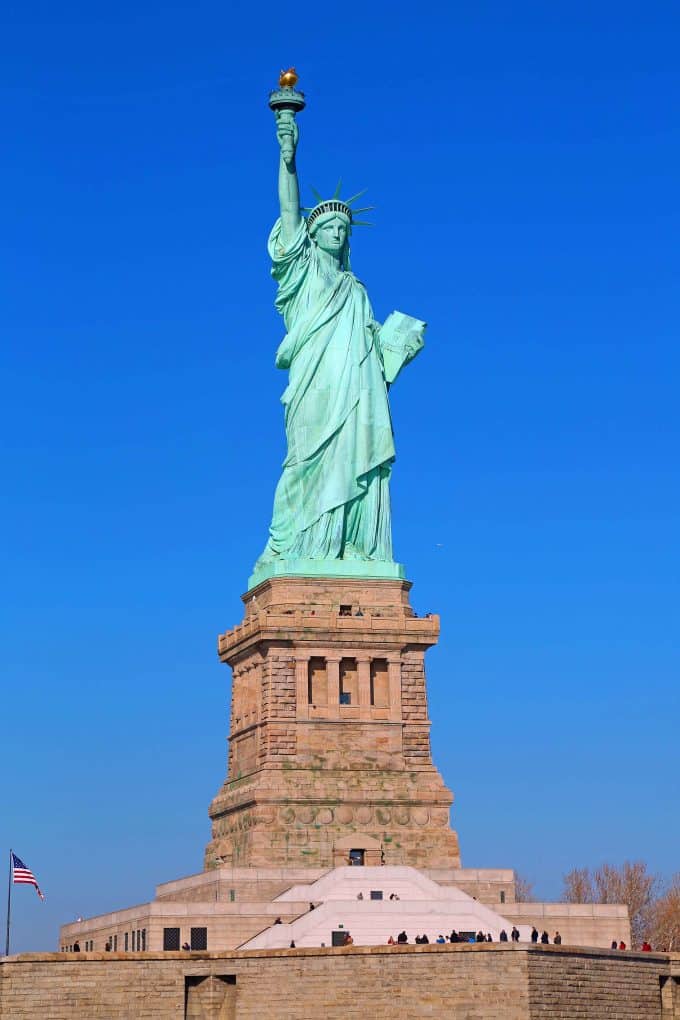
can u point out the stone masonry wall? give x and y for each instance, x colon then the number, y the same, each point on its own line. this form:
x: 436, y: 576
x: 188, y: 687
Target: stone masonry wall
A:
x: 278, y: 703
x: 600, y: 985
x: 467, y: 982
x: 416, y: 739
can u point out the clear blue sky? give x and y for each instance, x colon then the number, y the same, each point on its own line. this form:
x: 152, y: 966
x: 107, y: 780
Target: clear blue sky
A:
x: 524, y: 162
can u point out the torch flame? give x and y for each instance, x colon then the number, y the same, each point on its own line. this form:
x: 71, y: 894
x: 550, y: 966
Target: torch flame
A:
x: 289, y: 78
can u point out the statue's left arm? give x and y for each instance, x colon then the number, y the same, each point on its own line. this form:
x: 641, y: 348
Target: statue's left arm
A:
x: 399, y: 339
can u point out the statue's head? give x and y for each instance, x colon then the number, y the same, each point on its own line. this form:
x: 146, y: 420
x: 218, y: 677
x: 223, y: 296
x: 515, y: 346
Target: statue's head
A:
x: 330, y: 225
x: 331, y: 233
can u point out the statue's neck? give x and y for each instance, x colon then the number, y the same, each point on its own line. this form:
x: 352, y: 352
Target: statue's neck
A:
x: 329, y: 260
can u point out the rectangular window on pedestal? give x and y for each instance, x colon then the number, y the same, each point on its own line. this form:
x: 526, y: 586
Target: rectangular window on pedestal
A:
x: 317, y: 681
x: 199, y: 938
x: 170, y: 938
x: 349, y: 692
x: 380, y: 684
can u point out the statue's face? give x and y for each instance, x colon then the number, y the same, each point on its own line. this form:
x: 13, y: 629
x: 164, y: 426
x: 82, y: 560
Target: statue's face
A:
x: 331, y: 234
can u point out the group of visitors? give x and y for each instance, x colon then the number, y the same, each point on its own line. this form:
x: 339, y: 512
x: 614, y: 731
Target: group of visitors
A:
x: 360, y: 896
x: 544, y: 938
x: 423, y: 940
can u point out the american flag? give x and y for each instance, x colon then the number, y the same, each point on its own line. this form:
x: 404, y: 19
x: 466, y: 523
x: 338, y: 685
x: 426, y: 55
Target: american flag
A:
x: 21, y: 875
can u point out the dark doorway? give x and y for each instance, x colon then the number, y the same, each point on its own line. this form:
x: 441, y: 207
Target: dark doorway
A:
x: 338, y: 938
x: 356, y: 857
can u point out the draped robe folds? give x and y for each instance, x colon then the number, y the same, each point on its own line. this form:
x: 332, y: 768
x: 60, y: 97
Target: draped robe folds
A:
x: 332, y: 500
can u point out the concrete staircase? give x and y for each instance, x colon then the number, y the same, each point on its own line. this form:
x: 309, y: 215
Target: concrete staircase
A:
x: 423, y: 907
x: 346, y: 883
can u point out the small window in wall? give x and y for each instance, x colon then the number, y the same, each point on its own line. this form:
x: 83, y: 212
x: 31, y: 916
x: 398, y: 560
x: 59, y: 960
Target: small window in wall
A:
x: 356, y: 858
x: 502, y: 896
x: 317, y: 681
x: 115, y: 943
x: 170, y: 938
x: 199, y: 938
x: 345, y: 611
x: 232, y: 895
x: 125, y: 945
x: 380, y: 685
x: 348, y: 682
x: 143, y: 939
x: 134, y: 941
x: 376, y: 894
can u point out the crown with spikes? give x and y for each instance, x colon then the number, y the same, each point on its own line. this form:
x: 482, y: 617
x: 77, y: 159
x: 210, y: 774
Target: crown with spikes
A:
x: 337, y: 205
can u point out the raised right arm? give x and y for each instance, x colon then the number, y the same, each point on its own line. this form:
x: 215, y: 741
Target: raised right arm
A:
x: 289, y: 191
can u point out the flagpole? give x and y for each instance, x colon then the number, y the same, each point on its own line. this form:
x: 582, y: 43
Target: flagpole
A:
x: 9, y: 901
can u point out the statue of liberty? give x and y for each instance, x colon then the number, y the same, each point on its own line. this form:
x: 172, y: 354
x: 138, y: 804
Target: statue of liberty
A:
x: 332, y: 503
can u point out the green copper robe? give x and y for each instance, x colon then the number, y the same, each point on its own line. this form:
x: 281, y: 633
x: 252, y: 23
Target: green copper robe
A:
x: 332, y: 500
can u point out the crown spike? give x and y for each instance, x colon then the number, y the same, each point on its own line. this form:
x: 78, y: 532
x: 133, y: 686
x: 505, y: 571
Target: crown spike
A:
x: 317, y: 195
x: 362, y: 223
x: 336, y: 193
x: 349, y: 201
x: 365, y: 208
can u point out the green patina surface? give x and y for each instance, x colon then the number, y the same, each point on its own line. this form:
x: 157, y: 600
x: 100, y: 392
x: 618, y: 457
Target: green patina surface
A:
x: 325, y: 568
x: 332, y: 513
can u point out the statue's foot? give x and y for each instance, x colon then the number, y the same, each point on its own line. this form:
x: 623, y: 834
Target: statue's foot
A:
x: 350, y: 552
